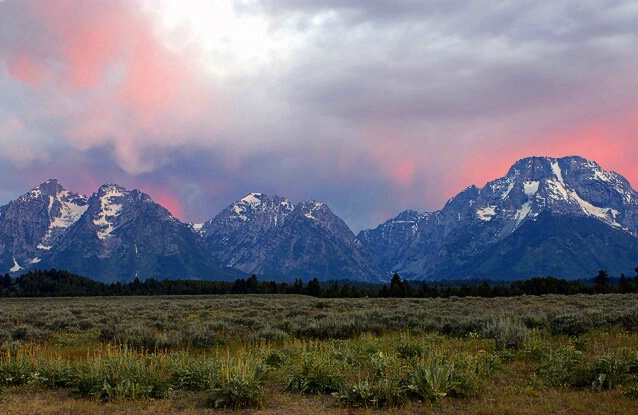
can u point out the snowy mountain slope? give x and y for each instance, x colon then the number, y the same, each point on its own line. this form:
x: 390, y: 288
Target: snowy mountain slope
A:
x: 32, y: 224
x: 565, y: 217
x: 267, y: 235
x: 115, y: 235
x: 449, y: 242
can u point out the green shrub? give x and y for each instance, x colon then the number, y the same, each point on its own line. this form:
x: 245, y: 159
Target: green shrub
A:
x: 534, y: 349
x: 535, y: 320
x: 433, y: 381
x: 16, y: 370
x: 376, y: 393
x: 482, y: 364
x: 275, y: 358
x: 194, y: 374
x: 270, y: 335
x: 506, y: 332
x: 408, y: 347
x: 236, y: 392
x: 568, y: 325
x: 239, y: 385
x: 204, y: 335
x: 5, y: 335
x: 620, y: 368
x: 628, y: 319
x: 562, y: 367
x: 632, y: 390
x: 120, y: 374
x: 315, y: 374
x: 55, y: 372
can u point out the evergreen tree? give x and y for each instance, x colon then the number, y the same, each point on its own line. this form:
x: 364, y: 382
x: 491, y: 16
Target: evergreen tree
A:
x: 6, y: 281
x: 624, y: 285
x: 314, y: 288
x: 602, y: 282
x: 396, y: 287
x: 252, y: 285
x: 239, y: 287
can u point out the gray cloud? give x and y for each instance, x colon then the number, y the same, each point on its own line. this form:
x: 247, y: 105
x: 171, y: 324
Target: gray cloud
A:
x: 378, y: 106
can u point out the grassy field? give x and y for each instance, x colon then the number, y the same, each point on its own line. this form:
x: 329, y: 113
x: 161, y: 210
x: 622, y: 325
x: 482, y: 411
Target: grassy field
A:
x: 303, y: 355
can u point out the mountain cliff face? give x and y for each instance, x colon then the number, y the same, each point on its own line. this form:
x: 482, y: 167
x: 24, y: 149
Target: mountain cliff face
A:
x: 267, y: 235
x: 115, y: 235
x: 509, y: 228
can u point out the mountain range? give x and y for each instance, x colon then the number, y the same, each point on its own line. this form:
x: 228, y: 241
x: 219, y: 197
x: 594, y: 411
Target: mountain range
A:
x: 564, y: 217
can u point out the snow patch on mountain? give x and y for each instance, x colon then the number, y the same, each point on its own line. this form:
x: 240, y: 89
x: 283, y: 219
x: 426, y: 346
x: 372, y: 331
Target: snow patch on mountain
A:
x: 313, y: 207
x: 64, y: 209
x: 69, y: 214
x: 606, y: 214
x: 557, y: 189
x: 487, y: 213
x: 531, y: 187
x: 109, y: 211
x: 557, y: 172
x: 35, y: 193
x: 522, y: 213
x: 509, y: 189
x: 239, y: 211
x: 16, y: 267
x: 253, y: 199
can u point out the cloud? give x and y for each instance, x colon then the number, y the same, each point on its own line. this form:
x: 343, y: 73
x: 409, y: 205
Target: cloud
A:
x: 100, y: 72
x: 372, y: 107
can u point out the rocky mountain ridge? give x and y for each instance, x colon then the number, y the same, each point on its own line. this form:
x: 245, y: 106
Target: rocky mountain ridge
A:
x: 564, y: 217
x: 455, y: 241
x: 268, y: 235
x: 113, y: 235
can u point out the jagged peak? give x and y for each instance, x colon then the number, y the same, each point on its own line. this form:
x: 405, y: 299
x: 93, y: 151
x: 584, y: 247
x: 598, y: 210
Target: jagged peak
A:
x: 253, y: 199
x: 310, y: 207
x: 466, y: 195
x: 256, y: 199
x: 47, y: 190
x: 541, y: 167
x: 112, y: 190
x: 51, y: 182
x: 50, y: 187
x: 311, y: 204
x: 408, y: 214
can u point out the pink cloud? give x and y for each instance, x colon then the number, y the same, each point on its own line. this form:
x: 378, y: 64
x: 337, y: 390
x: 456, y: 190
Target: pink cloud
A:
x: 608, y: 140
x: 86, y: 36
x: 164, y: 198
x: 25, y: 69
x: 387, y: 147
x: 104, y: 74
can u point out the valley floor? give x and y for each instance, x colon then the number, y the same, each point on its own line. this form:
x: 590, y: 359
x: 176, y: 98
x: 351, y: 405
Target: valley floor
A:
x: 301, y: 355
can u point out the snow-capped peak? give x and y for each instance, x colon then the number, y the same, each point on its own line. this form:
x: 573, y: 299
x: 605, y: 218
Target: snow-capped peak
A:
x: 63, y: 209
x: 310, y: 208
x: 112, y: 190
x: 568, y: 185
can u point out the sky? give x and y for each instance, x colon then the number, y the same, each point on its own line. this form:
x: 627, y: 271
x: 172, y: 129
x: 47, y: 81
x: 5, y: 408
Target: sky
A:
x: 371, y: 107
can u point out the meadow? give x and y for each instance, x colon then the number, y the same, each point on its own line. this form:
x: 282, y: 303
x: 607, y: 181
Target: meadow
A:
x: 275, y: 354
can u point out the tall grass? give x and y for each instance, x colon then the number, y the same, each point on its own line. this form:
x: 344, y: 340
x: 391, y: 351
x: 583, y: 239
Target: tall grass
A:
x: 235, y: 352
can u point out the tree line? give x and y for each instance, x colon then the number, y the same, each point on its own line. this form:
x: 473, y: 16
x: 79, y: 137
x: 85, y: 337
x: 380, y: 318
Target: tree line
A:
x: 61, y: 283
